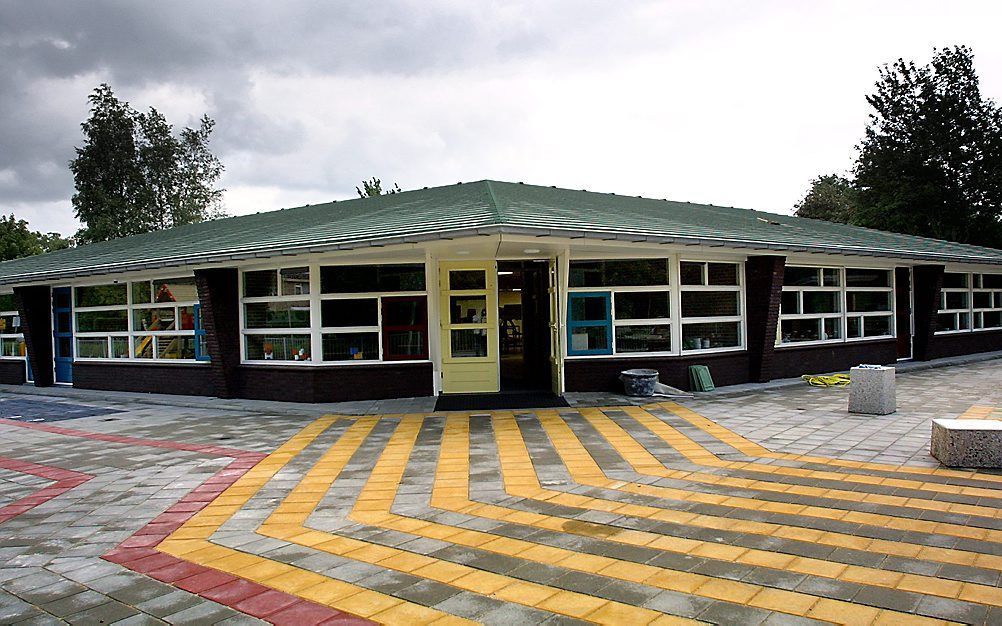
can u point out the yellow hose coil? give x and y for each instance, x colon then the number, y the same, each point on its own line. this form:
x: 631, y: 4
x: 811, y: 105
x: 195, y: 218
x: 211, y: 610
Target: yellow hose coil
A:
x: 835, y: 380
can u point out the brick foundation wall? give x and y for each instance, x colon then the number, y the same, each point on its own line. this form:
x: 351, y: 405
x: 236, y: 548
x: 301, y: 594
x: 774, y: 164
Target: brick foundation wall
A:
x: 188, y: 379
x: 11, y: 371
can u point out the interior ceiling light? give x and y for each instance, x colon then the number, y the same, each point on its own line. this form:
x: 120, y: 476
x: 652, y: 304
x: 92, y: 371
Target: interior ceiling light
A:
x: 462, y: 252
x: 505, y: 273
x: 532, y: 251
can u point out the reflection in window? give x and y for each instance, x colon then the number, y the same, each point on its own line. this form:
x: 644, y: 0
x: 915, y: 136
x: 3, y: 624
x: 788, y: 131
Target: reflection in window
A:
x: 468, y: 342
x: 468, y: 309
x: 460, y: 280
x: 277, y: 347
x: 277, y: 314
x: 372, y: 278
x: 349, y: 312
x: 643, y: 305
x: 709, y: 335
x: 652, y: 338
x: 626, y: 273
x: 351, y: 347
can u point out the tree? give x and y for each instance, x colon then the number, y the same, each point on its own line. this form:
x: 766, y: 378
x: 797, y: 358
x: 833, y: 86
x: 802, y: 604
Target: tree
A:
x: 832, y: 198
x: 133, y: 175
x: 931, y: 160
x: 374, y: 187
x: 17, y: 240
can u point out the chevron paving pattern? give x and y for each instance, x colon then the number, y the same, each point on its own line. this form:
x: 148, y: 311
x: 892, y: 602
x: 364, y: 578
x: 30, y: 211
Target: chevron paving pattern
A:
x: 623, y: 515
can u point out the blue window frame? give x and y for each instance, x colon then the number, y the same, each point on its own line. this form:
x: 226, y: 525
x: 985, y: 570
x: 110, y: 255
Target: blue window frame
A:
x: 201, y: 347
x: 589, y: 323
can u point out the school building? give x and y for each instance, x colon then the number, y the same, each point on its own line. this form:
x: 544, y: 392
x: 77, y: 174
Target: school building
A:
x: 485, y: 287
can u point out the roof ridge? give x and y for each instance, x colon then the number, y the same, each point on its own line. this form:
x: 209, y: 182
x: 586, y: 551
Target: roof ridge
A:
x: 493, y: 200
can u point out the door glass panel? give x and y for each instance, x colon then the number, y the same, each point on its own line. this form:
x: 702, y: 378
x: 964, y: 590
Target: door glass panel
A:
x: 467, y: 279
x: 64, y: 347
x: 589, y: 309
x: 468, y: 309
x: 469, y: 342
x: 584, y: 338
x: 63, y: 322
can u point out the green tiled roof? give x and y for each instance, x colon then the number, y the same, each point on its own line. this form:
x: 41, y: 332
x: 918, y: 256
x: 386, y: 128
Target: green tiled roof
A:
x: 482, y: 207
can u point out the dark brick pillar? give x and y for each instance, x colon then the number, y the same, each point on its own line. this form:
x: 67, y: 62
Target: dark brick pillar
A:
x: 928, y: 281
x: 35, y: 306
x: 220, y: 299
x: 764, y: 291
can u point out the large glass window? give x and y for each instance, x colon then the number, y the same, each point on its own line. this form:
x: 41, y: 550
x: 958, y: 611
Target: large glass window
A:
x: 276, y: 315
x: 711, y: 305
x: 11, y: 335
x: 372, y: 278
x: 619, y: 306
x: 970, y: 302
x: 147, y: 319
x: 359, y: 313
x: 626, y: 273
x: 819, y: 305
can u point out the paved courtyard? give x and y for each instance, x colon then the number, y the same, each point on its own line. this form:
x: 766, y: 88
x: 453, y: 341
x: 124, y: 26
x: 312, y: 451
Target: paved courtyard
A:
x: 774, y: 507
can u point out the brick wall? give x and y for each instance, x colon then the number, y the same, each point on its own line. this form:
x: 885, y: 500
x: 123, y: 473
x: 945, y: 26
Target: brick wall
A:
x: 764, y: 289
x: 11, y: 371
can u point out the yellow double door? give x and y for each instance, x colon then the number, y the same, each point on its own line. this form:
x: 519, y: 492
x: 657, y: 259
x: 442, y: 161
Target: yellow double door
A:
x: 468, y: 311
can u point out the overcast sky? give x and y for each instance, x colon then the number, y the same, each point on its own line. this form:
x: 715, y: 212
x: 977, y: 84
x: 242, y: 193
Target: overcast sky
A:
x: 734, y: 103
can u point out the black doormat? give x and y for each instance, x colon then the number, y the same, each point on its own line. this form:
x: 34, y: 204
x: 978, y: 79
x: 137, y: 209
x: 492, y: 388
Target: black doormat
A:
x: 503, y: 400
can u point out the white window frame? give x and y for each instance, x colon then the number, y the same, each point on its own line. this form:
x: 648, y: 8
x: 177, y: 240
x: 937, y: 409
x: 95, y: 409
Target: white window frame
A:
x: 309, y: 298
x: 843, y: 316
x: 974, y: 314
x: 674, y: 321
x: 132, y: 334
x: 19, y: 337
x: 739, y: 318
x: 316, y: 330
x: 800, y: 290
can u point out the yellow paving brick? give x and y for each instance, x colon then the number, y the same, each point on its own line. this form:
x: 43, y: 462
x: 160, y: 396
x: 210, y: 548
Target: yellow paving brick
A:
x: 634, y: 572
x: 442, y: 571
x: 929, y: 585
x: 407, y: 613
x: 572, y: 604
x: 843, y: 613
x: 295, y: 580
x: 870, y: 576
x: 783, y: 601
x: 529, y: 593
x: 728, y: 590
x: 982, y: 594
x: 482, y: 582
x: 722, y: 552
x: 616, y: 613
x: 816, y: 567
x: 328, y: 592
x: 367, y: 603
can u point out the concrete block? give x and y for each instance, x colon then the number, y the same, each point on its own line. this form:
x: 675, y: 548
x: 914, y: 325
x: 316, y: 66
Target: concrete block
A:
x: 871, y: 390
x: 967, y: 443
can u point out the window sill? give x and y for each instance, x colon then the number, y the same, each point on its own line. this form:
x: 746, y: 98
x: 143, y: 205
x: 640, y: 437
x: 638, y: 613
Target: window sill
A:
x: 833, y: 342
x: 358, y: 363
x: 655, y: 355
x: 143, y: 361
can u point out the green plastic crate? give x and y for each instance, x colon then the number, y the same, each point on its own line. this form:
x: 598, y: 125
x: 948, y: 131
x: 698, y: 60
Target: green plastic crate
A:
x: 700, y: 379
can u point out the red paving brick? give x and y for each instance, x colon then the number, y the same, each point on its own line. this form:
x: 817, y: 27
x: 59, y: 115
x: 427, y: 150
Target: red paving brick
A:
x: 233, y: 592
x: 302, y: 613
x: 265, y: 603
x: 205, y: 581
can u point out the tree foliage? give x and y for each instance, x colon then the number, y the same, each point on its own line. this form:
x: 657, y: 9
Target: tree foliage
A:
x: 17, y: 240
x: 832, y: 198
x: 374, y: 187
x: 931, y: 160
x: 134, y: 175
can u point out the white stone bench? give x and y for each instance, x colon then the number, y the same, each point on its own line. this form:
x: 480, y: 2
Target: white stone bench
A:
x: 967, y: 443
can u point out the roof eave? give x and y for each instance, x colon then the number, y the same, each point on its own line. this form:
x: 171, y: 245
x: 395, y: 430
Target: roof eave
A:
x: 239, y: 254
